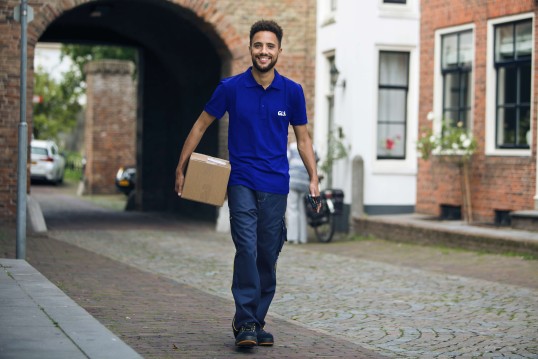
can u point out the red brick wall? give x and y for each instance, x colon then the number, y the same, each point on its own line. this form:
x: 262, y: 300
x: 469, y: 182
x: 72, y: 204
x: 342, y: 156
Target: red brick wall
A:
x: 228, y: 19
x: 110, y: 127
x: 505, y: 183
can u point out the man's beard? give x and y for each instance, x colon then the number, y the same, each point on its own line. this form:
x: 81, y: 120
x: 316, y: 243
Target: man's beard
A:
x: 263, y: 69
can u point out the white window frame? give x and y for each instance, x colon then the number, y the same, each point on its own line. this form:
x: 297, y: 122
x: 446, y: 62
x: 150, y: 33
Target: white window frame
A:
x: 327, y: 13
x: 408, y: 10
x: 438, y: 76
x: 405, y: 166
x: 491, y: 89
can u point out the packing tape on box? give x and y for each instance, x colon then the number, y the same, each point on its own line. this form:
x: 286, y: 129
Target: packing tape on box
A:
x: 216, y: 161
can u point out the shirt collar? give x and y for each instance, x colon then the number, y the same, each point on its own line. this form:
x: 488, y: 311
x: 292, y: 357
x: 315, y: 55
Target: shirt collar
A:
x: 251, y: 82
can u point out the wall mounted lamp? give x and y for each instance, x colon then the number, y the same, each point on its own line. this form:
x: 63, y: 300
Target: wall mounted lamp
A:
x: 334, y: 77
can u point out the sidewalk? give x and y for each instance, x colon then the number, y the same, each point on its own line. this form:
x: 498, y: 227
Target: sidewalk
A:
x: 423, y: 229
x: 40, y: 321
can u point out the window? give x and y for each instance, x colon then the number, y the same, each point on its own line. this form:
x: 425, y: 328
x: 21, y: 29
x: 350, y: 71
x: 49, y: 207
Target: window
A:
x: 332, y: 4
x: 393, y: 89
x: 512, y: 62
x: 456, y: 71
x: 394, y: 1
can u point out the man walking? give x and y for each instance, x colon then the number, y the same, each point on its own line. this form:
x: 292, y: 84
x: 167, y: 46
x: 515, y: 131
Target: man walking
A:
x: 261, y: 104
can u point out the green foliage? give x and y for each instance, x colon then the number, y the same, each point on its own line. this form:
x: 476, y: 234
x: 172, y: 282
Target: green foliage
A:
x: 59, y: 106
x: 82, y: 54
x: 336, y: 151
x: 452, y: 141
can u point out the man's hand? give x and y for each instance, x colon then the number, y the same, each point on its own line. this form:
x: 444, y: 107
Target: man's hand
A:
x: 180, y: 180
x: 194, y: 137
x: 314, y: 192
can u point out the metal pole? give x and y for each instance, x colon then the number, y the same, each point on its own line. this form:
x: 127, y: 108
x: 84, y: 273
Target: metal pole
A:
x: 23, y: 142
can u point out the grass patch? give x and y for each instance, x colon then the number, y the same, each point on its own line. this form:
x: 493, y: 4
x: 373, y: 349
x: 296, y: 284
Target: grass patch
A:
x: 115, y: 202
x: 72, y: 175
x: 359, y: 238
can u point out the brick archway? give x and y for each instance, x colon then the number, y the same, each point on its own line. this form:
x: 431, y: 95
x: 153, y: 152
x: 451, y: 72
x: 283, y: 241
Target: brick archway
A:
x: 223, y: 23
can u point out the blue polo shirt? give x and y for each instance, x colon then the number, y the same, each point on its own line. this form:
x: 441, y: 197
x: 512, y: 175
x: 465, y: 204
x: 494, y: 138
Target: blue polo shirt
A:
x: 258, y: 129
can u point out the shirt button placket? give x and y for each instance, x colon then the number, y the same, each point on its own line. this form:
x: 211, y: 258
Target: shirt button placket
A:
x: 263, y: 112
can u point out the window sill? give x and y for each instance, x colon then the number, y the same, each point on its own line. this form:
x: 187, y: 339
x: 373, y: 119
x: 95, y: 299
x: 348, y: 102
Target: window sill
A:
x: 398, y: 11
x: 330, y: 19
x: 509, y: 153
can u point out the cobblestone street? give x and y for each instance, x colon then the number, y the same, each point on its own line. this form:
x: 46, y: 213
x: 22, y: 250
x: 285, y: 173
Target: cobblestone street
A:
x: 394, y: 310
x: 400, y: 310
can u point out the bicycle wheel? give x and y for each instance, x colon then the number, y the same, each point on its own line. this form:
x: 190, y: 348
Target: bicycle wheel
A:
x: 325, y: 229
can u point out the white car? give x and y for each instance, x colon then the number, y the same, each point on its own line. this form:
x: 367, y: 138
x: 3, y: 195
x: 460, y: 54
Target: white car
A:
x: 47, y: 162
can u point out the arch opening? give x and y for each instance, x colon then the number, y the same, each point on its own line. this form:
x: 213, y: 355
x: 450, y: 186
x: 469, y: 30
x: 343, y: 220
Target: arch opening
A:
x: 181, y: 59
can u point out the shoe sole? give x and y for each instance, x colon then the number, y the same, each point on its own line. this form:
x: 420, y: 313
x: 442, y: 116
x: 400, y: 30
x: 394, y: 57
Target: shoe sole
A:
x: 266, y: 344
x: 247, y: 343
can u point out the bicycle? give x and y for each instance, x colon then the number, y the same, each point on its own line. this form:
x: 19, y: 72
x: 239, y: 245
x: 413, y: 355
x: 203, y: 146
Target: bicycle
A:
x: 324, y: 222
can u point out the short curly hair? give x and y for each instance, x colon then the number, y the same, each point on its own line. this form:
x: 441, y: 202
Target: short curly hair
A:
x: 266, y: 25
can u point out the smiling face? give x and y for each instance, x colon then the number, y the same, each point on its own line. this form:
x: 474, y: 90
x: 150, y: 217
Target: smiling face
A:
x: 264, y: 49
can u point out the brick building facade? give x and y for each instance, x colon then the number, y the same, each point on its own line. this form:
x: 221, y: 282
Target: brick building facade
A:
x: 496, y: 45
x: 187, y: 45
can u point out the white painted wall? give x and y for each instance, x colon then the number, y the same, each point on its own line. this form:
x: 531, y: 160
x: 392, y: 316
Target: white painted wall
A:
x: 356, y: 32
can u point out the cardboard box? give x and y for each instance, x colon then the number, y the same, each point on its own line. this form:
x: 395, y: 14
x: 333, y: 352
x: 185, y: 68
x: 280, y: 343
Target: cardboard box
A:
x: 206, y: 179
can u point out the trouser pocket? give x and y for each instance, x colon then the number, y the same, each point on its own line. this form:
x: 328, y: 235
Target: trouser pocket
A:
x: 284, y: 234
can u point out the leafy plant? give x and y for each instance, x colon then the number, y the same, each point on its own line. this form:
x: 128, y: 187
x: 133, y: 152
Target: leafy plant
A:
x: 453, y: 140
x: 337, y: 150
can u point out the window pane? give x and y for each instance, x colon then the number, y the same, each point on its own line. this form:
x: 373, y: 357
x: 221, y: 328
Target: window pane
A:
x: 524, y: 127
x: 467, y: 95
x: 450, y: 51
x: 466, y: 48
x: 451, y: 118
x: 465, y: 118
x: 392, y: 105
x: 525, y: 84
x: 333, y: 5
x: 391, y: 140
x: 506, y: 127
x: 504, y: 42
x: 452, y: 91
x: 39, y: 151
x: 507, y: 85
x: 523, y: 39
x: 393, y: 68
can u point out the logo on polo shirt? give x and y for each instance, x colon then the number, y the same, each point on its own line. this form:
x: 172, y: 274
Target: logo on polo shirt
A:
x: 282, y: 113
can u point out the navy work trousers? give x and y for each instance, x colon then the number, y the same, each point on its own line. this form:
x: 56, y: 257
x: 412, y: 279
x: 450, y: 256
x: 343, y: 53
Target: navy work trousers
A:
x: 258, y: 232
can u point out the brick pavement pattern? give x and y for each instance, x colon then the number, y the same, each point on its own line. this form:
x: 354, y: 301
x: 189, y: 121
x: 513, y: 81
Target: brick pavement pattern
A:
x: 162, y: 318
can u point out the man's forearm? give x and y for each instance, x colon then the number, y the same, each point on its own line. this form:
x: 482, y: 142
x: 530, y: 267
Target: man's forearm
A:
x: 194, y: 138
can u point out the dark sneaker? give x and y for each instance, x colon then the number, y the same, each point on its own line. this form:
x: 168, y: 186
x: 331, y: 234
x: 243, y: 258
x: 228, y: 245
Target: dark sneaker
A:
x: 265, y: 338
x: 247, y: 336
x: 236, y: 331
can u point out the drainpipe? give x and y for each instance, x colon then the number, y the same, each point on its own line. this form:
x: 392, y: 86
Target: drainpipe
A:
x: 536, y: 186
